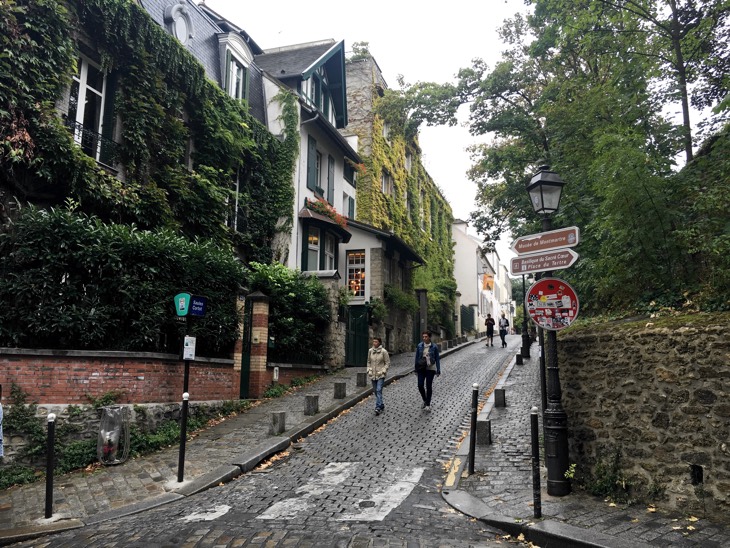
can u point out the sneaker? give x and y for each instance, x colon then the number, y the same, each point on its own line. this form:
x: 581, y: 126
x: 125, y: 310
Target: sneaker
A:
x: 424, y: 406
x: 428, y: 408
x: 377, y: 411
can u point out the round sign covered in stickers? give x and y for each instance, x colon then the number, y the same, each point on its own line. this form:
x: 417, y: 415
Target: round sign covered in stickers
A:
x: 552, y: 304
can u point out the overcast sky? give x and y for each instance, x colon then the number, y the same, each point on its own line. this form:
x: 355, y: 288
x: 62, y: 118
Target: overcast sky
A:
x: 421, y: 41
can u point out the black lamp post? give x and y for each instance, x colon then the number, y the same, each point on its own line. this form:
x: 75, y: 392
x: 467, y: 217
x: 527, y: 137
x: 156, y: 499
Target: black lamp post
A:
x: 525, y: 335
x: 545, y: 189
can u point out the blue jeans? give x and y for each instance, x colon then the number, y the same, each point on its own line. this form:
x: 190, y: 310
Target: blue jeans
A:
x: 378, y: 390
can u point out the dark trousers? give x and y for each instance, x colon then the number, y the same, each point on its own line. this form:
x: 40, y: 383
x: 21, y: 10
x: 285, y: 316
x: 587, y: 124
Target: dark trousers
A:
x: 426, y: 377
x: 502, y: 335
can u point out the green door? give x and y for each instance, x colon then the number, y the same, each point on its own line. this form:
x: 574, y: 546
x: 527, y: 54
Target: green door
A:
x: 356, y: 344
x: 246, y: 350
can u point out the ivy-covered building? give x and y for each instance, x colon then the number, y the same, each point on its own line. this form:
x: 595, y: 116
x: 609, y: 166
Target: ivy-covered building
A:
x: 396, y: 195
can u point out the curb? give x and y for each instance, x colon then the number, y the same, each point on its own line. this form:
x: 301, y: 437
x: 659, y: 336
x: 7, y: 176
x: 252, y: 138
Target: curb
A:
x: 222, y: 474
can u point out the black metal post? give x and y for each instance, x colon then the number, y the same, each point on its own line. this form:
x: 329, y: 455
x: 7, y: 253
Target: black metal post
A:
x: 525, y: 335
x: 555, y: 419
x: 186, y: 376
x: 543, y: 379
x: 51, y: 441
x: 536, y: 498
x: 183, y: 437
x: 473, y: 437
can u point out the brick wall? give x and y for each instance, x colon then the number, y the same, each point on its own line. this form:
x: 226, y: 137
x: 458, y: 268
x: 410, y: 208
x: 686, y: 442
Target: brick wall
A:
x: 50, y: 377
x: 658, y: 395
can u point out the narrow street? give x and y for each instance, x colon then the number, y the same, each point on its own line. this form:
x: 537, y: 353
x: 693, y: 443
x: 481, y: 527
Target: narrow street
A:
x: 361, y: 480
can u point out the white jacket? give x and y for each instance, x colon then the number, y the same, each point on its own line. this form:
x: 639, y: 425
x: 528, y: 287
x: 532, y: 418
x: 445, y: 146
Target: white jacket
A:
x: 378, y: 363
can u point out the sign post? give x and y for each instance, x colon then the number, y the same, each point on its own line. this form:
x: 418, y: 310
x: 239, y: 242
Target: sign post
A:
x: 543, y: 262
x: 552, y: 304
x: 546, y: 241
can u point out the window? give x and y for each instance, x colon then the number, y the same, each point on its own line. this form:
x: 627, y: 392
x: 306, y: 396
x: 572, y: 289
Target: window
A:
x: 313, y: 249
x: 318, y: 173
x: 409, y: 161
x: 386, y: 183
x: 348, y: 206
x: 356, y: 273
x: 423, y: 210
x: 329, y: 252
x: 314, y: 159
x: 349, y: 173
x: 386, y: 131
x: 236, y: 81
x: 408, y: 203
x: 87, y: 108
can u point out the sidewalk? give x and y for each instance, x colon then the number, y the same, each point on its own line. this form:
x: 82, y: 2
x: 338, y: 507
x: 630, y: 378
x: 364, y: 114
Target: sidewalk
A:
x: 500, y: 492
x: 215, y: 456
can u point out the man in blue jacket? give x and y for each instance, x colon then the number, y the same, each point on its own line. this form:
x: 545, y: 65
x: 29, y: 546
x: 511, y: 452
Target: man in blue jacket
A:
x: 428, y: 366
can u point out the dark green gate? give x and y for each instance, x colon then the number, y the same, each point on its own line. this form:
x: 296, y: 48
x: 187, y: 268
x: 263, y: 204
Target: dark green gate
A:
x: 357, y: 339
x: 246, y: 349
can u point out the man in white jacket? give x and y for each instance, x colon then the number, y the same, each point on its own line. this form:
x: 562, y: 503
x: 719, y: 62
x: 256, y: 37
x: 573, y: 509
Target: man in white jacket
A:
x: 378, y: 364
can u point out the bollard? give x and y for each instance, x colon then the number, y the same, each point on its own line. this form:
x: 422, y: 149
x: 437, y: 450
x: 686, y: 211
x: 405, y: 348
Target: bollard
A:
x: 278, y: 422
x: 537, y: 504
x: 499, y: 399
x: 362, y: 379
x: 473, y: 436
x: 340, y: 390
x: 518, y: 359
x: 49, y: 463
x: 183, y: 437
x: 484, y: 432
x: 311, y: 405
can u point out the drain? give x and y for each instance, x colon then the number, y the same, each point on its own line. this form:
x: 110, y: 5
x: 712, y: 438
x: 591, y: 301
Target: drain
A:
x: 367, y: 504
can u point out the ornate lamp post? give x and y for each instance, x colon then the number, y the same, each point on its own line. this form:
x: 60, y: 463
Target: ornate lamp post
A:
x: 545, y: 189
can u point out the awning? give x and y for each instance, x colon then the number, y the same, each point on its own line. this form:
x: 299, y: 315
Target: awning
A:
x: 316, y: 219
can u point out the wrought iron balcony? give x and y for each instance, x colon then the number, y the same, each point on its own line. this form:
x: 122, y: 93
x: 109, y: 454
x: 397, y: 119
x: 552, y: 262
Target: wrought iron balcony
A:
x: 94, y: 144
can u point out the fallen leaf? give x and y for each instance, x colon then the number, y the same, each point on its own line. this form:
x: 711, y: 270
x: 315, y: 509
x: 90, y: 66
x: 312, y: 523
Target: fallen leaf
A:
x: 676, y: 528
x: 635, y: 520
x: 690, y: 528
x: 693, y: 519
x: 613, y: 504
x: 521, y: 537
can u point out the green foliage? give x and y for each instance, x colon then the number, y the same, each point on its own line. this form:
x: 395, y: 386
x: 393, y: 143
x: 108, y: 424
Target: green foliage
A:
x: 608, y: 480
x: 70, y: 281
x: 377, y: 310
x: 298, y: 308
x: 165, y: 102
x: 106, y: 399
x: 278, y: 390
x: 17, y: 474
x: 75, y: 455
x: 21, y: 418
x: 398, y: 298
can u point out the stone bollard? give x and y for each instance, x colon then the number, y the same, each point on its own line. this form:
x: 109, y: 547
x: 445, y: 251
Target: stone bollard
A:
x: 499, y: 399
x: 362, y: 379
x: 340, y: 390
x: 484, y: 432
x: 518, y: 359
x: 311, y: 405
x: 278, y: 422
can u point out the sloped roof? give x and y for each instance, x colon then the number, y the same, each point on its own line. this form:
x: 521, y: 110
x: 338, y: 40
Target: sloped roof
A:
x: 297, y: 63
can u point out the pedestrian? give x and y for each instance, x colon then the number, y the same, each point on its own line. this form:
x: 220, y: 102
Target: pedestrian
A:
x: 428, y: 366
x: 378, y: 364
x: 503, y: 325
x: 490, y: 330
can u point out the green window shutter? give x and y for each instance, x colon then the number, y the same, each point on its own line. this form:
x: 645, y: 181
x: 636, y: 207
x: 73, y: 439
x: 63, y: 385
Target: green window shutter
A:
x: 106, y: 153
x: 245, y: 83
x: 331, y: 180
x: 351, y: 207
x: 311, y: 163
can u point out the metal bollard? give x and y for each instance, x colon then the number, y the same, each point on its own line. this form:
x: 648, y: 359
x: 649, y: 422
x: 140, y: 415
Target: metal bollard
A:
x: 49, y: 463
x: 183, y: 437
x: 537, y: 504
x: 518, y: 359
x: 473, y: 436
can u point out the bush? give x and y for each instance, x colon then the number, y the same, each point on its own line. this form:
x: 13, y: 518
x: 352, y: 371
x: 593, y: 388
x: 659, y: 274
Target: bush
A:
x: 70, y: 281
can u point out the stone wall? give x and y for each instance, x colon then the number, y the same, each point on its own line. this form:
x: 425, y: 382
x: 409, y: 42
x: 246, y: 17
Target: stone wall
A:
x: 656, y: 392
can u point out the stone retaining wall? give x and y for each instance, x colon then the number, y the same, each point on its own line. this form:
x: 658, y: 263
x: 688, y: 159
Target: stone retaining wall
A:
x: 658, y: 395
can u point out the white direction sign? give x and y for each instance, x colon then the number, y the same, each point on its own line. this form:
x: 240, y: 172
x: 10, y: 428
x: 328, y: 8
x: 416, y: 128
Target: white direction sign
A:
x: 543, y: 262
x: 546, y: 241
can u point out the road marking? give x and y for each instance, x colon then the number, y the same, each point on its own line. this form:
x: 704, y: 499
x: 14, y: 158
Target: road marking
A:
x: 208, y: 515
x: 393, y: 488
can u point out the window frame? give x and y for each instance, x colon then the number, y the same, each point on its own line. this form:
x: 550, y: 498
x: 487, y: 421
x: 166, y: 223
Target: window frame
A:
x: 356, y: 273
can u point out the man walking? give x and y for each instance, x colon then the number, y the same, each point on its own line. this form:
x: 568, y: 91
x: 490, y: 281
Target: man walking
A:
x: 428, y: 366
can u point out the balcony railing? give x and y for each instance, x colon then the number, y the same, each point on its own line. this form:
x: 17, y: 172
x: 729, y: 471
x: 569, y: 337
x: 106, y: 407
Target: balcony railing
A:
x: 94, y: 144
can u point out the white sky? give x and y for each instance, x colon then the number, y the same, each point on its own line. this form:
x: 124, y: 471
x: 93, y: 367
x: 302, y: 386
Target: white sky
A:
x: 422, y: 41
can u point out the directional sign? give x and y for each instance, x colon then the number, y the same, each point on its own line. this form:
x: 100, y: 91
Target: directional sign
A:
x: 545, y: 241
x: 542, y: 262
x: 198, y: 305
x: 552, y: 304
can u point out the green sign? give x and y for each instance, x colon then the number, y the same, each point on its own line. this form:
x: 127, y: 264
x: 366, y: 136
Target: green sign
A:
x: 182, y: 302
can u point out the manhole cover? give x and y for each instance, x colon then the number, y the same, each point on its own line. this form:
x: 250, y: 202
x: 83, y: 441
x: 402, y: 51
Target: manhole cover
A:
x: 367, y: 504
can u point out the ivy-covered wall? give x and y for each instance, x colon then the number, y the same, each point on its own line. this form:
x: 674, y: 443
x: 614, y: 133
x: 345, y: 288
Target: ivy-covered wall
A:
x: 163, y: 107
x: 413, y: 206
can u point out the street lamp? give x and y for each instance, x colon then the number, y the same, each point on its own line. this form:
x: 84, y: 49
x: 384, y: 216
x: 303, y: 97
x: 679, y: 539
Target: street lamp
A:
x: 545, y: 189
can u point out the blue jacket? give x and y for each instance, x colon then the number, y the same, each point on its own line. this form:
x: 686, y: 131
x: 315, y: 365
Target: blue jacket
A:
x: 433, y: 353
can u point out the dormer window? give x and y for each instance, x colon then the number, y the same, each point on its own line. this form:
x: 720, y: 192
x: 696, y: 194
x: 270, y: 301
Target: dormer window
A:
x: 177, y: 19
x: 236, y: 82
